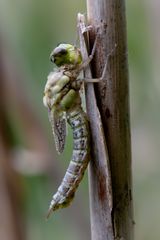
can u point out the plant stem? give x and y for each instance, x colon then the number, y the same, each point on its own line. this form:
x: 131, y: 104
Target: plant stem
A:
x: 108, y: 18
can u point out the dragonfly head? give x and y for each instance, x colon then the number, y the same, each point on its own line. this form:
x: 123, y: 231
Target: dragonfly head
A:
x: 66, y: 54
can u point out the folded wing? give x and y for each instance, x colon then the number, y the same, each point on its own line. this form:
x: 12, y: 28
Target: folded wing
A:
x: 58, y: 123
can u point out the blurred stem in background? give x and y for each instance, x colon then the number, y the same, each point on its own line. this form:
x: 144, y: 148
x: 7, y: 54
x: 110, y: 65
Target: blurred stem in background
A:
x: 10, y: 189
x: 15, y: 104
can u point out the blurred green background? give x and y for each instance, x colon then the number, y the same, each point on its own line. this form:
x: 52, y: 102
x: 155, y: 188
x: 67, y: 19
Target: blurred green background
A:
x: 28, y: 32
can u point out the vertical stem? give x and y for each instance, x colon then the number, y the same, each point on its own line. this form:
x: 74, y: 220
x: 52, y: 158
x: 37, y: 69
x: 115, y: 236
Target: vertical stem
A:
x: 108, y: 16
x: 11, y: 226
x: 99, y: 174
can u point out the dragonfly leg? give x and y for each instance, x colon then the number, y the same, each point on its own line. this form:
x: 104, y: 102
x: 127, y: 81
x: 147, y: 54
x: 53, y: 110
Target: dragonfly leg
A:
x: 94, y: 80
x: 90, y: 57
x: 82, y: 31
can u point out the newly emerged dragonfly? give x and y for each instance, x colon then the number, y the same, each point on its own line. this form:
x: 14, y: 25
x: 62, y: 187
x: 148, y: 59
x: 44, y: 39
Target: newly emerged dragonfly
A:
x: 62, y: 98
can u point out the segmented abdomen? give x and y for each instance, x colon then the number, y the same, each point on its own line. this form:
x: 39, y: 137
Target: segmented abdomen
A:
x: 78, y: 121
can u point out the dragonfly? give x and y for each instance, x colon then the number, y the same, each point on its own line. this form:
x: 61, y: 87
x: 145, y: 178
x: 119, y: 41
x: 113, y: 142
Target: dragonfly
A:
x: 63, y: 101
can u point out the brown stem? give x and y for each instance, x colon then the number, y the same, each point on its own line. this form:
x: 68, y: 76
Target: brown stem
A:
x: 108, y: 18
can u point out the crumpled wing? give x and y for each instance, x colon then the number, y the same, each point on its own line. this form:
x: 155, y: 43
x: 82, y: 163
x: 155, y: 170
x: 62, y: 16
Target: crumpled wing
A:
x: 58, y: 123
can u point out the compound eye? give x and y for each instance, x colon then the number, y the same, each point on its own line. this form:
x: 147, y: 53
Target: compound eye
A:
x: 63, y: 51
x: 52, y: 58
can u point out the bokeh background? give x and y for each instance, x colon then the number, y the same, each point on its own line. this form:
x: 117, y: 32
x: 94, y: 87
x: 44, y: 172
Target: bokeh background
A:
x: 30, y: 168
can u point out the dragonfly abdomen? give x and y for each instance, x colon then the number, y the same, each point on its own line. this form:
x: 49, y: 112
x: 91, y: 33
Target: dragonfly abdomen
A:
x: 81, y: 137
x: 78, y: 121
